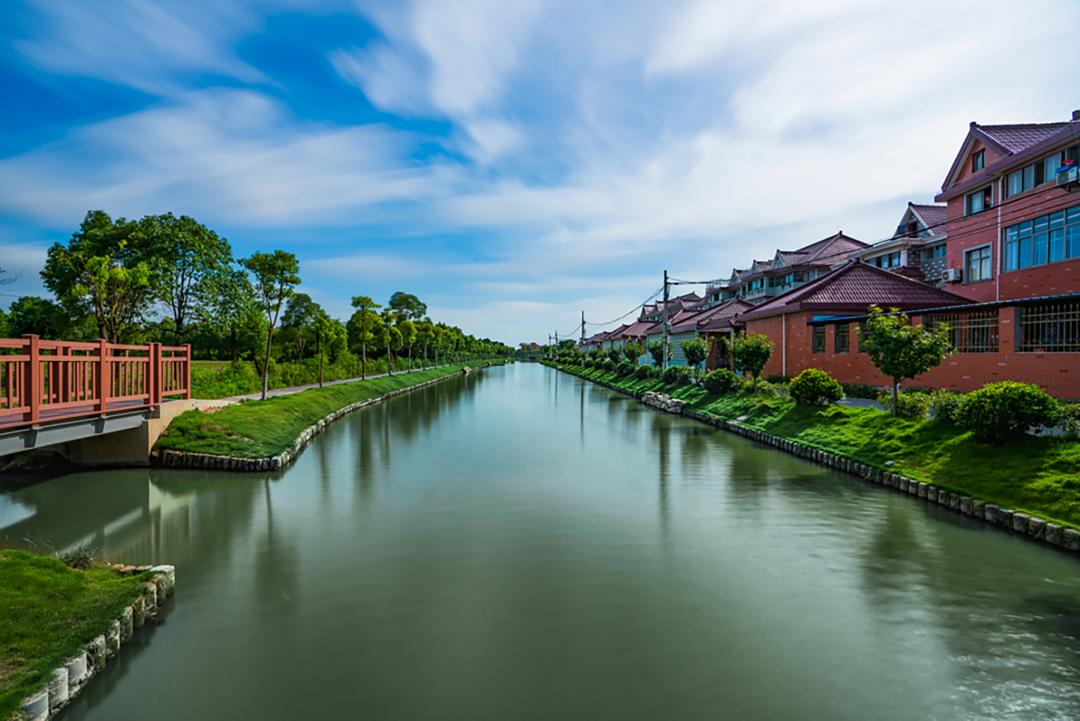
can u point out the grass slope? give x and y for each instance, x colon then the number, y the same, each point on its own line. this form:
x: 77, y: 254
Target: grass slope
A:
x: 1040, y: 476
x: 47, y: 613
x: 257, y: 429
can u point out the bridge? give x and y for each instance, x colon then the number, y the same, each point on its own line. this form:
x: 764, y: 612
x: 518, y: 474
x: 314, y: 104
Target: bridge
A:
x: 54, y: 392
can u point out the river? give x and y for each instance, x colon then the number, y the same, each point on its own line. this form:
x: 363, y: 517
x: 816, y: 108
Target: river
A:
x: 520, y: 544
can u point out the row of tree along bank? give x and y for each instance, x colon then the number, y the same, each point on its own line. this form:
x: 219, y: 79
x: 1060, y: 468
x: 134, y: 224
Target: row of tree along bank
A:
x: 171, y: 278
x: 976, y: 444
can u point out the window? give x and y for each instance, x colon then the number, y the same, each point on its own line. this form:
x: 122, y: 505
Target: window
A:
x: 1050, y: 328
x: 973, y: 331
x: 978, y: 161
x: 979, y: 201
x: 1034, y: 175
x: 977, y: 265
x: 819, y: 339
x: 1046, y: 239
x: 841, y: 338
x: 890, y: 260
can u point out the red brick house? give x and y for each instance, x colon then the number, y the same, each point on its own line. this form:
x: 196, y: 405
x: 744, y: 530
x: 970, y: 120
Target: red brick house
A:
x: 917, y: 249
x: 817, y: 326
x: 1013, y: 213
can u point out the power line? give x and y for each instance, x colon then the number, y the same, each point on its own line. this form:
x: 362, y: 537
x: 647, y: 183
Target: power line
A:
x: 633, y: 310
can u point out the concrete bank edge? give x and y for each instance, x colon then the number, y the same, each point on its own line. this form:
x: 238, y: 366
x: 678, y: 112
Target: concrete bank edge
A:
x: 209, y: 461
x: 1031, y: 527
x: 74, y: 674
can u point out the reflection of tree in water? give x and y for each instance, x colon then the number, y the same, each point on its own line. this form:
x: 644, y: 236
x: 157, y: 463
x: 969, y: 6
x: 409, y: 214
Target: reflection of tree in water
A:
x: 748, y: 474
x: 276, y: 562
x: 1012, y: 638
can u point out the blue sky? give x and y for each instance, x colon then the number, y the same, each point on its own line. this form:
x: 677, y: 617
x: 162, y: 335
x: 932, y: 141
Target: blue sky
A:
x: 510, y: 161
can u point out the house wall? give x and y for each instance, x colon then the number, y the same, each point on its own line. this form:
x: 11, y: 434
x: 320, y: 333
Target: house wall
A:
x: 987, y: 228
x: 1057, y: 373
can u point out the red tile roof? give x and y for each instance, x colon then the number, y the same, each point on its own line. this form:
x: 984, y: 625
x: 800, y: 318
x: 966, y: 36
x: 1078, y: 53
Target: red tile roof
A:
x: 715, y: 318
x: 1015, y: 138
x: 854, y: 288
x: 933, y: 215
x: 638, y: 329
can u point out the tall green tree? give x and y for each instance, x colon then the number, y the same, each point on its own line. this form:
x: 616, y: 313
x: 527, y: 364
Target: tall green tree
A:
x: 299, y: 318
x: 229, y: 306
x: 31, y: 314
x: 750, y: 352
x: 391, y: 337
x: 184, y: 257
x: 407, y: 305
x: 363, y: 322
x: 97, y: 273
x: 276, y: 276
x: 407, y: 329
x: 901, y: 350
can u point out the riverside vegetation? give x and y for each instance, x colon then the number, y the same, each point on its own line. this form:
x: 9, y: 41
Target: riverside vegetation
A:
x: 1038, y: 475
x: 258, y: 429
x: 49, y: 611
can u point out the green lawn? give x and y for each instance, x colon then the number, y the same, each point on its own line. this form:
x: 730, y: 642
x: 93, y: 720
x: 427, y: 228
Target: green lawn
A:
x: 48, y: 612
x: 258, y: 429
x: 1040, y: 476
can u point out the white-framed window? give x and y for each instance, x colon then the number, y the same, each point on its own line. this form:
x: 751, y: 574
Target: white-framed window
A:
x: 978, y: 264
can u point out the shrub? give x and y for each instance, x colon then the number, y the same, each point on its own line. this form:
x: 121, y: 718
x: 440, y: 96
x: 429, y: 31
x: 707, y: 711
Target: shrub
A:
x: 607, y: 364
x: 624, y: 368
x: 814, y: 387
x: 722, y: 381
x: 860, y: 390
x: 644, y: 372
x: 81, y: 557
x: 945, y: 406
x: 1001, y: 411
x: 908, y: 405
x: 751, y: 351
x: 1069, y: 418
x: 676, y: 375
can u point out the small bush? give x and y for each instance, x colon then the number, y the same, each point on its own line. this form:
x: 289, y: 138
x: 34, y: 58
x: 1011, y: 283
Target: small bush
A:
x: 676, y: 375
x: 80, y: 558
x: 1001, y: 411
x: 644, y: 372
x: 909, y: 405
x: 1069, y: 418
x: 860, y: 390
x: 722, y: 381
x: 945, y: 406
x: 607, y: 364
x: 814, y: 387
x: 624, y: 368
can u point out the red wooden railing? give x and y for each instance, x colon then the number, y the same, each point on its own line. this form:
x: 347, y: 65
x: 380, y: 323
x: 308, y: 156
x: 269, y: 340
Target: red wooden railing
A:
x: 44, y: 381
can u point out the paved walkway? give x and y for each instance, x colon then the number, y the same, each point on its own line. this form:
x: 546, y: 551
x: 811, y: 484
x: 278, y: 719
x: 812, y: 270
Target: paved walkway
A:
x: 296, y: 389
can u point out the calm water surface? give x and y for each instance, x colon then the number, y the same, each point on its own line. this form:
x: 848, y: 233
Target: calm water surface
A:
x: 521, y: 545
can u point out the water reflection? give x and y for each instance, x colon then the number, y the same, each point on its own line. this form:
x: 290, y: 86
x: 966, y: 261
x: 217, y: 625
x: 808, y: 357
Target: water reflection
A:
x: 520, y: 544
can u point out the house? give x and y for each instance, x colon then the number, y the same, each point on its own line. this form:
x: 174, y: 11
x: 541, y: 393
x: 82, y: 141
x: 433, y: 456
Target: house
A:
x: 817, y: 326
x: 918, y: 247
x: 786, y: 270
x: 1014, y: 213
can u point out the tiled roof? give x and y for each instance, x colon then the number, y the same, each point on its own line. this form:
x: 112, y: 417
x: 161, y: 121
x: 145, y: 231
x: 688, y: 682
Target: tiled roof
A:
x: 933, y: 215
x: 854, y: 288
x: 618, y: 332
x: 720, y: 316
x: 638, y: 329
x: 1015, y: 138
x: 674, y: 320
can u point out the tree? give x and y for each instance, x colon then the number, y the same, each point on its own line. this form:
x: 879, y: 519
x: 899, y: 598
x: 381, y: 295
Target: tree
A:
x: 407, y: 305
x: 97, y: 273
x: 389, y: 332
x: 901, y: 350
x: 276, y: 275
x: 326, y: 332
x: 184, y: 256
x: 407, y: 329
x: 229, y: 304
x: 299, y: 319
x: 632, y: 351
x: 365, y: 306
x: 425, y: 336
x: 30, y: 314
x: 657, y: 351
x: 750, y: 352
x: 695, y: 349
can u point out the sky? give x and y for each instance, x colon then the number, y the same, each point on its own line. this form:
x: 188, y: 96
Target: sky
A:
x: 512, y: 162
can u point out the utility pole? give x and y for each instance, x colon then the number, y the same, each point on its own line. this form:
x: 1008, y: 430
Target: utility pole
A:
x: 582, y: 327
x: 663, y: 365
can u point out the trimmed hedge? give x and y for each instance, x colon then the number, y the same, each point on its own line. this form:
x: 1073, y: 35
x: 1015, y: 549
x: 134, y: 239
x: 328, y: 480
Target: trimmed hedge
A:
x: 1002, y: 411
x: 815, y: 387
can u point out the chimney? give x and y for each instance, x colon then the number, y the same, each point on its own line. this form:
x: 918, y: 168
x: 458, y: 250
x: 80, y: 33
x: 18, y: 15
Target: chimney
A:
x: 1076, y: 115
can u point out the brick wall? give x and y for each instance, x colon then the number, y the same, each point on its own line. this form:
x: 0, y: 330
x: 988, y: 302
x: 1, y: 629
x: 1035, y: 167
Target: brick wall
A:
x: 1058, y: 373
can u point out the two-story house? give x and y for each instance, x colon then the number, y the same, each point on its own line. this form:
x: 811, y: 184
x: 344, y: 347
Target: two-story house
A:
x: 918, y: 247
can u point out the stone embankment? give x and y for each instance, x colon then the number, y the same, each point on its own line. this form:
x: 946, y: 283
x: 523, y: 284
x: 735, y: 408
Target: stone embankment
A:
x: 1031, y: 527
x: 207, y: 461
x: 75, y: 673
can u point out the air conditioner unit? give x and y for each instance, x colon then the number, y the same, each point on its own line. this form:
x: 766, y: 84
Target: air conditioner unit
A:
x: 1068, y: 176
x: 953, y: 275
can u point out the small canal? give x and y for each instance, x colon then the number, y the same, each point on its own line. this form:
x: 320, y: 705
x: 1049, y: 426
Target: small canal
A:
x: 519, y: 544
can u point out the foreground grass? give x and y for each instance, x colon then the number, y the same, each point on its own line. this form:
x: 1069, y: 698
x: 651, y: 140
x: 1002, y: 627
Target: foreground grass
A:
x: 1040, y: 476
x: 47, y: 613
x: 258, y: 429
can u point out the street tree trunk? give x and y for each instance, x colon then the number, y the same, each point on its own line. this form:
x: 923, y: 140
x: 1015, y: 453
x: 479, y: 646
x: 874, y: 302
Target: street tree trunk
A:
x: 266, y: 361
x: 895, y: 394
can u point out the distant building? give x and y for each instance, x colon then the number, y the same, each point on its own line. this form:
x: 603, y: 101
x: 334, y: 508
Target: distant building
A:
x: 917, y: 249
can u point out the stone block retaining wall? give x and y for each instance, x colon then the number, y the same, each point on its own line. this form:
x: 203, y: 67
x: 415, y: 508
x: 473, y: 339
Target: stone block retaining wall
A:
x: 71, y: 677
x: 181, y: 459
x: 1067, y: 539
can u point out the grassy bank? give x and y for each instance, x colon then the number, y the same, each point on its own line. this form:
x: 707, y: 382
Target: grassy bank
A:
x: 48, y: 612
x: 258, y: 429
x: 1039, y: 476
